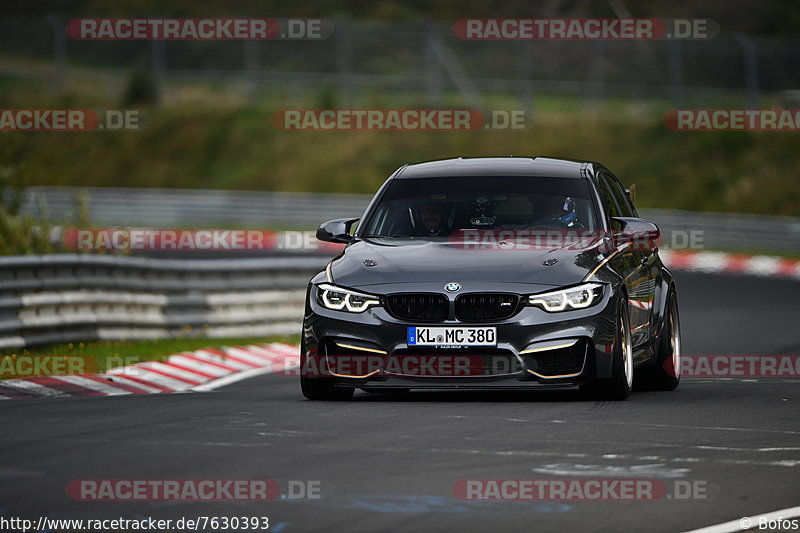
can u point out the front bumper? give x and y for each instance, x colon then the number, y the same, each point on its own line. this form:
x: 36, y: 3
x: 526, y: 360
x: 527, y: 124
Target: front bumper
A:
x: 535, y: 349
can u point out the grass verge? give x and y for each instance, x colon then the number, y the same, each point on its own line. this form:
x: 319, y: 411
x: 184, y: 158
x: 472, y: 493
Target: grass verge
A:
x: 109, y: 353
x: 198, y: 146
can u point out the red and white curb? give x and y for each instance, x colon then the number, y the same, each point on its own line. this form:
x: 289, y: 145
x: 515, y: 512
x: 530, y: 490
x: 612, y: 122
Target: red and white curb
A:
x: 720, y: 262
x: 202, y: 370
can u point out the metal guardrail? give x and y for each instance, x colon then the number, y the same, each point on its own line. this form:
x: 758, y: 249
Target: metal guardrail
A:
x: 167, y: 208
x: 69, y: 297
x: 179, y: 207
x: 729, y: 231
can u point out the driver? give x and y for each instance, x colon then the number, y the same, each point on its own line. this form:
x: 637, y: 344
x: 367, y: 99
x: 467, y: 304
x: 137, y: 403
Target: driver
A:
x: 558, y: 208
x: 432, y: 217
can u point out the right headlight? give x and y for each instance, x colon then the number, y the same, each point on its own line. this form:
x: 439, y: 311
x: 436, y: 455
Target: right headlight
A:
x: 578, y: 297
x: 340, y: 299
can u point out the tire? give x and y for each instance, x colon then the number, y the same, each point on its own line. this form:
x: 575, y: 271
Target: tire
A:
x: 665, y: 374
x: 620, y: 384
x: 324, y: 389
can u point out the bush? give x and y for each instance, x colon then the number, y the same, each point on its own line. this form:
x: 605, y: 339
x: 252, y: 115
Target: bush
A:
x: 24, y: 234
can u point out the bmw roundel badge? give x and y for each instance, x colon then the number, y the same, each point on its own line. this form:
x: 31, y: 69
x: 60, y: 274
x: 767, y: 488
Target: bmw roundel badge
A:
x: 452, y: 287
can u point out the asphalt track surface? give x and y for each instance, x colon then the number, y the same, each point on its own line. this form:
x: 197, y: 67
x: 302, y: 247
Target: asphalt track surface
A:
x: 389, y: 462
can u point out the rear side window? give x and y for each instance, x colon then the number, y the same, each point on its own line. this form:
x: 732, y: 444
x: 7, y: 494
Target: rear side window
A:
x: 609, y: 203
x: 625, y: 205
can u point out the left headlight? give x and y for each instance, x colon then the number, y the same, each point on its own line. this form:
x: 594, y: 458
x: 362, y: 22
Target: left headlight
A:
x: 339, y: 299
x: 578, y: 297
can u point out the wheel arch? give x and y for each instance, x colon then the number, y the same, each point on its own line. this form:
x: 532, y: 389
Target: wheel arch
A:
x: 660, y: 301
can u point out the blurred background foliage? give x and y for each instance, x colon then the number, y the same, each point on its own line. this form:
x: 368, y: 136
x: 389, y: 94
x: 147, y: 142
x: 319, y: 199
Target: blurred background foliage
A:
x: 209, y: 133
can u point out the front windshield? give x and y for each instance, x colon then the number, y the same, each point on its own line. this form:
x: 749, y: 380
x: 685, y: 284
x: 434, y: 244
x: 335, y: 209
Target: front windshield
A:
x: 441, y: 207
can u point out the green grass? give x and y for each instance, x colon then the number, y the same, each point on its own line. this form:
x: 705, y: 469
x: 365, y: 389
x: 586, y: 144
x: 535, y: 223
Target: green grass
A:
x: 108, y: 354
x: 203, y: 138
x: 239, y: 149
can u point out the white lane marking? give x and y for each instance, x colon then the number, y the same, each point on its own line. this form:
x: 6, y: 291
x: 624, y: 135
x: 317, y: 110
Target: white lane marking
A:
x: 736, y: 525
x: 531, y: 453
x: 260, y: 444
x: 263, y: 351
x: 486, y: 418
x: 33, y: 388
x: 271, y: 358
x: 783, y: 462
x: 172, y: 371
x: 245, y: 355
x: 762, y: 265
x: 282, y: 433
x: 501, y: 453
x: 232, y: 378
x: 148, y: 376
x: 678, y: 426
x: 710, y: 262
x: 663, y: 445
x: 208, y: 356
x: 654, y: 470
x: 199, y: 365
x: 735, y: 449
x: 646, y: 424
x: 105, y: 389
x: 133, y: 383
x: 288, y: 349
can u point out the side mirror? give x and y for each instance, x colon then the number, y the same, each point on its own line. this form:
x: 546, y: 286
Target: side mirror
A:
x: 642, y: 233
x: 336, y: 230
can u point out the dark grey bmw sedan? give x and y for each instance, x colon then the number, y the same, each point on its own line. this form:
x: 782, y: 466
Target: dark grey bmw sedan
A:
x: 493, y: 273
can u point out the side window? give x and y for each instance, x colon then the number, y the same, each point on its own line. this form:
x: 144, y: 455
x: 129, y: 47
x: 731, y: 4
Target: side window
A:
x: 609, y: 204
x: 625, y: 204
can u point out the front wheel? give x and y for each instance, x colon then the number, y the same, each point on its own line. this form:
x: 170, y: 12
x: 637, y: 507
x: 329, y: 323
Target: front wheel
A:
x: 620, y: 384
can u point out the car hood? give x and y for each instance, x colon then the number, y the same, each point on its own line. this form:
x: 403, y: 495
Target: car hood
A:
x: 377, y: 262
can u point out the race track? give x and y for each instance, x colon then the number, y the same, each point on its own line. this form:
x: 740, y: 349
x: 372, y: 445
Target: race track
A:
x: 389, y: 463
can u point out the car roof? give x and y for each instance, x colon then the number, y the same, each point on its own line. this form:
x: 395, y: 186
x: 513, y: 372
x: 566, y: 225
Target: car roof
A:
x: 498, y: 166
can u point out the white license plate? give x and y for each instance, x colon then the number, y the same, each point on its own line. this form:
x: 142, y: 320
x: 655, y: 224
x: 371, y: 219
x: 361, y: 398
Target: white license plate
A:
x: 425, y: 336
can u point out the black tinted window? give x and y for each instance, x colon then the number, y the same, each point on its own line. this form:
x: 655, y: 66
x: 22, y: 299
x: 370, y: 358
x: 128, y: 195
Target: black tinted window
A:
x: 435, y: 207
x: 624, y: 203
x: 609, y: 203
